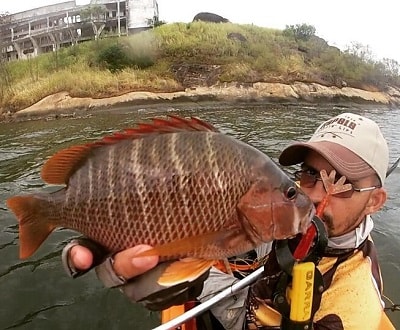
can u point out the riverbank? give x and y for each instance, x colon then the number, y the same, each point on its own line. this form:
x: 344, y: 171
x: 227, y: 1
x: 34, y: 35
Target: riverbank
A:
x: 298, y: 92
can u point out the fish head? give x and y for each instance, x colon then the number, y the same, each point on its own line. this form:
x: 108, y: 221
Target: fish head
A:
x: 275, y: 208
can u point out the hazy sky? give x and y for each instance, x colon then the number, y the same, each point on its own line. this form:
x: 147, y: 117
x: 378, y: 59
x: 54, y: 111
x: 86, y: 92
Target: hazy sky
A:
x: 340, y: 22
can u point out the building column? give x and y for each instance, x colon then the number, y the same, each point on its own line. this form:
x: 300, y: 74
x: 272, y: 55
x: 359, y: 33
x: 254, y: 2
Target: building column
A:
x: 20, y: 53
x: 56, y: 44
x: 36, y: 48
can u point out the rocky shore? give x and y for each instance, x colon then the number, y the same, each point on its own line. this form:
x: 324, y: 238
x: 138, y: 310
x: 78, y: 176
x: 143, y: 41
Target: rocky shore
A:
x: 297, y: 92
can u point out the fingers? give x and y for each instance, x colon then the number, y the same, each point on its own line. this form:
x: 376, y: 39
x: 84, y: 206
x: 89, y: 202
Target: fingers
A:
x: 81, y: 257
x: 127, y: 265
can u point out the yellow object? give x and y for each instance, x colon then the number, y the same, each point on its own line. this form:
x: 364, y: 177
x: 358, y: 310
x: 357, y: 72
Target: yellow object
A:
x: 300, y: 295
x: 354, y: 278
x: 386, y: 324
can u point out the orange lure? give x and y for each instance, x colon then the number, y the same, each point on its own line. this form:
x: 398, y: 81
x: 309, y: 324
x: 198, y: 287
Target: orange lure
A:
x: 331, y: 188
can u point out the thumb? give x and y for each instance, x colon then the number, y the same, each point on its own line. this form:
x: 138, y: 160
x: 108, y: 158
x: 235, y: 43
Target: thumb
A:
x: 128, y: 265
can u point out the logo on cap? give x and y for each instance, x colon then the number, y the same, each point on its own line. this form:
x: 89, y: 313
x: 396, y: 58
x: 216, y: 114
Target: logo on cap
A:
x: 343, y: 124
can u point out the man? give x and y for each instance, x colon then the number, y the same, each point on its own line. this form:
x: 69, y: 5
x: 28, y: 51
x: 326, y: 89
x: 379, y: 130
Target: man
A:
x: 351, y: 145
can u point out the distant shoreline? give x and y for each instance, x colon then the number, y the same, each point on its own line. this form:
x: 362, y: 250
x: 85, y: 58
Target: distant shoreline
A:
x: 297, y: 93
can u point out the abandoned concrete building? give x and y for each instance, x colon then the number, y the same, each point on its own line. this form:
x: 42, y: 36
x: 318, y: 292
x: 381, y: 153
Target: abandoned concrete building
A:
x: 48, y: 28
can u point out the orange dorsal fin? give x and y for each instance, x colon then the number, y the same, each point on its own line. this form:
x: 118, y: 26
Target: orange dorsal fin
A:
x: 171, y: 124
x: 59, y: 168
x: 193, y: 124
x: 184, y: 270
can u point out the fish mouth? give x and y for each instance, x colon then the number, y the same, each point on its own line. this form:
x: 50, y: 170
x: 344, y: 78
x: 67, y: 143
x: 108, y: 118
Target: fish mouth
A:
x: 311, y: 214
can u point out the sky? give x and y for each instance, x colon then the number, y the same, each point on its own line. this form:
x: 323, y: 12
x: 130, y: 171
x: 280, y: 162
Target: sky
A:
x: 341, y: 22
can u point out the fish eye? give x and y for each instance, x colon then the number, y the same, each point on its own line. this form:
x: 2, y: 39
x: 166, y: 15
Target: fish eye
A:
x: 291, y: 192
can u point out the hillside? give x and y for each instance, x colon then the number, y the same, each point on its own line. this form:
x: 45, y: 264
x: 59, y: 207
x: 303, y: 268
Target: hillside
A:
x: 178, y: 57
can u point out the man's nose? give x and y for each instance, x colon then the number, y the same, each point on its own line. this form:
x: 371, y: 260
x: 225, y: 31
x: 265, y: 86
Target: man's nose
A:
x: 317, y: 193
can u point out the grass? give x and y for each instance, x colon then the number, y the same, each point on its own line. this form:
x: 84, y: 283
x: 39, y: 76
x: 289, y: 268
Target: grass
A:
x: 145, y: 61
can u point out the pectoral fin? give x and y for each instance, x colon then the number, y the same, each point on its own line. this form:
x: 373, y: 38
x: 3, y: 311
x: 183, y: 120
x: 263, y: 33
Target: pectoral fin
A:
x: 187, y: 269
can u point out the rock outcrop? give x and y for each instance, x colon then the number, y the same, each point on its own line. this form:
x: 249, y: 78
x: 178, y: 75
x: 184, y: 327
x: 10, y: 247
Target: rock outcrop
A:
x: 297, y: 92
x: 210, y: 17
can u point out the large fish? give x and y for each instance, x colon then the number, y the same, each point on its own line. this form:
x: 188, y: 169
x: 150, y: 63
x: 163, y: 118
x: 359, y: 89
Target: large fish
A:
x: 177, y: 184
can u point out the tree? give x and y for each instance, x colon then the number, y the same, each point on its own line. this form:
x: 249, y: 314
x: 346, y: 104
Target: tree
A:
x: 96, y: 15
x: 5, y: 17
x: 5, y: 77
x: 300, y: 31
x: 361, y: 51
x: 392, y: 67
x: 94, y: 12
x: 154, y: 22
x: 113, y: 58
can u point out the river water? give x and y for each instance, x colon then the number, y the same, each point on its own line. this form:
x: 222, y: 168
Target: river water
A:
x: 37, y: 294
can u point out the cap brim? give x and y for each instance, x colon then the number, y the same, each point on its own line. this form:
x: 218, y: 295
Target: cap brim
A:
x: 344, y: 161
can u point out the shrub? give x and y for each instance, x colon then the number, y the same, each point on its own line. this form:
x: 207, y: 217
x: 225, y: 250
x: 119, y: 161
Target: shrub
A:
x: 113, y: 58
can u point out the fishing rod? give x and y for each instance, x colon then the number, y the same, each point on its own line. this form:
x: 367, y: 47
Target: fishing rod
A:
x: 199, y: 309
x: 393, y: 167
x: 235, y: 288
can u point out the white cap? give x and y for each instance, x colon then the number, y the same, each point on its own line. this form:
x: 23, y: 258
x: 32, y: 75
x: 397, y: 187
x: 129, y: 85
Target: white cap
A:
x: 352, y: 144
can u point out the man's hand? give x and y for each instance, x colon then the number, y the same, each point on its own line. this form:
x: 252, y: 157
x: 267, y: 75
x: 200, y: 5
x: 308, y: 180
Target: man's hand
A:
x: 126, y: 264
x: 137, y: 277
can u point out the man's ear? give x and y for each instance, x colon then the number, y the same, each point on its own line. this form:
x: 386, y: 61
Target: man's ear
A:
x: 376, y: 200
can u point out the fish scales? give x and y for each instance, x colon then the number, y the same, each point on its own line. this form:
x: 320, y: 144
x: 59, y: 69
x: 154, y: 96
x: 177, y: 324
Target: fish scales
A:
x: 182, y: 183
x: 163, y: 187
x: 175, y: 177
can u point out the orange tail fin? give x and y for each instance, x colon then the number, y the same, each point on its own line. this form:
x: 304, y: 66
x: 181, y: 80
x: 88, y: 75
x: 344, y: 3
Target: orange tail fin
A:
x: 34, y: 222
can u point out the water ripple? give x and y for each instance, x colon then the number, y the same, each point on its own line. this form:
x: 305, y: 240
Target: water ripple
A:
x: 24, y: 147
x: 32, y: 315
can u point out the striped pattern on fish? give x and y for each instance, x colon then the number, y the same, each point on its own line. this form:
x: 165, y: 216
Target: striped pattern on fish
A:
x: 177, y: 184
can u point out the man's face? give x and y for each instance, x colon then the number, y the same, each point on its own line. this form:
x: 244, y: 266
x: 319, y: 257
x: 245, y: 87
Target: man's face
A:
x: 341, y: 215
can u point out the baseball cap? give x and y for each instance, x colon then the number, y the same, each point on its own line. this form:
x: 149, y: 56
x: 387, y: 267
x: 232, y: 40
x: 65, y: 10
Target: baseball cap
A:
x: 352, y: 144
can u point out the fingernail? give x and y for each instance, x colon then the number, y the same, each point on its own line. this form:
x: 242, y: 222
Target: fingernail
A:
x: 145, y: 263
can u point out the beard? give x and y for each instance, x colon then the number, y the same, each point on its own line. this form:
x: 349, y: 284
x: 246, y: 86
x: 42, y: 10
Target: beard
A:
x: 351, y: 222
x: 328, y: 221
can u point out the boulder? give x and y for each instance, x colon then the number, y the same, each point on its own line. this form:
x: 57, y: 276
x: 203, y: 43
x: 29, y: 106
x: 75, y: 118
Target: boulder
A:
x: 210, y: 17
x: 237, y: 36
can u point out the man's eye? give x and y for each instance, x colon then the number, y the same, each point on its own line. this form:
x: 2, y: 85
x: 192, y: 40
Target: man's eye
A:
x: 311, y: 171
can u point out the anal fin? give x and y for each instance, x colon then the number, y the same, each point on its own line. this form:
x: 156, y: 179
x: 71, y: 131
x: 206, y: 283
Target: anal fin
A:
x: 184, y: 270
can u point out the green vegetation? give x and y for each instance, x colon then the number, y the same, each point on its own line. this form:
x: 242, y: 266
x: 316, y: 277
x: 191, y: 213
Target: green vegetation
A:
x: 148, y: 61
